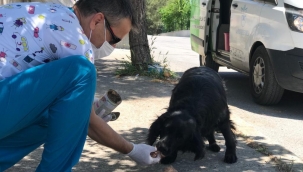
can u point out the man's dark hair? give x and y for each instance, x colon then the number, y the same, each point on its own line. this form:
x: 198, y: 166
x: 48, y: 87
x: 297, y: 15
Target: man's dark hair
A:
x: 113, y: 10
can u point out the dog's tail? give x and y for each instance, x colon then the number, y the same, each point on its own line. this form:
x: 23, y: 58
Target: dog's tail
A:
x: 232, y: 126
x: 233, y: 129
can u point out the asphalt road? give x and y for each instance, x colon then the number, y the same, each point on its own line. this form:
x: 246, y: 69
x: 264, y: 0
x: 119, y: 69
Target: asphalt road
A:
x: 281, y: 124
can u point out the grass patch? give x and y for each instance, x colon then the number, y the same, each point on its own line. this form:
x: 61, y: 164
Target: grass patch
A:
x: 127, y: 69
x: 281, y: 166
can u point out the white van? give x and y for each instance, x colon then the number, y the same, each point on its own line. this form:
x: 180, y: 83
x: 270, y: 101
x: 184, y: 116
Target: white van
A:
x: 260, y: 38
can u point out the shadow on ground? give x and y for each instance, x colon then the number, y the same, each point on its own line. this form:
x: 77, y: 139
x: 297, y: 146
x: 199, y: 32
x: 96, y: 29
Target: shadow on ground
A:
x: 99, y: 158
x: 237, y: 85
x: 143, y: 101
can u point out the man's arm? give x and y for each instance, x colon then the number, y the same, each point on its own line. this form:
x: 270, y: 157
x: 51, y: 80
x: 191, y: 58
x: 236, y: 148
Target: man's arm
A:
x: 102, y: 133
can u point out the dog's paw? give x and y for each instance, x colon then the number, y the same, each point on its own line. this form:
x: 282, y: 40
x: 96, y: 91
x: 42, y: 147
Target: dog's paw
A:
x: 199, y: 155
x: 230, y: 158
x: 214, y: 147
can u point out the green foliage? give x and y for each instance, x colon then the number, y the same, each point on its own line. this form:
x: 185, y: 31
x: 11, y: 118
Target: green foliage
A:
x: 165, y: 16
x: 175, y: 15
x: 153, y: 17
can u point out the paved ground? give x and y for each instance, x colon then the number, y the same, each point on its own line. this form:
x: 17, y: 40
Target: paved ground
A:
x: 143, y: 100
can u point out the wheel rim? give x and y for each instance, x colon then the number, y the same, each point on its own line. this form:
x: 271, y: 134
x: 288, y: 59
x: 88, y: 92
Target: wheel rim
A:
x: 259, y: 75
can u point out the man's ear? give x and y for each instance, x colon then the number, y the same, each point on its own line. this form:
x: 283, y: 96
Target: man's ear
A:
x: 97, y: 18
x: 154, y: 131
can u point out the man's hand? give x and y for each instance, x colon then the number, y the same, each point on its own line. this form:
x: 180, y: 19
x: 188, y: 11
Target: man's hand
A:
x: 105, y: 118
x: 141, y: 154
x: 102, y: 133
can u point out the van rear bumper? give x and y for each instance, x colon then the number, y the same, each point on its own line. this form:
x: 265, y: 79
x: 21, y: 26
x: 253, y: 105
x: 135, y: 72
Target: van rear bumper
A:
x: 288, y: 68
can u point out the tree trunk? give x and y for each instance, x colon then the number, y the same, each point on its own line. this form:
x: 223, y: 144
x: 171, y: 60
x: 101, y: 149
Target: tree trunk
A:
x: 140, y: 52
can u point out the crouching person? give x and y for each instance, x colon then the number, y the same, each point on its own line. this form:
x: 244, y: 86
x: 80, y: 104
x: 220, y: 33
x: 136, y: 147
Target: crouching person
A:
x: 48, y: 80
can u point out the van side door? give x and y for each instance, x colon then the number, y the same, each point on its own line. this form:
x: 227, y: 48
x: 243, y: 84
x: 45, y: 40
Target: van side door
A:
x: 244, y: 22
x: 199, y: 25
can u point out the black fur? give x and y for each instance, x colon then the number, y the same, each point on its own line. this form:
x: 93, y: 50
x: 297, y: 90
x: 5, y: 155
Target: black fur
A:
x: 197, y: 108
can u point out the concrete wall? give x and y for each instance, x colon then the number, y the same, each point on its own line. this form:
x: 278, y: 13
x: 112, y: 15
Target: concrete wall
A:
x: 180, y: 33
x: 2, y: 2
x: 65, y: 2
x: 124, y: 44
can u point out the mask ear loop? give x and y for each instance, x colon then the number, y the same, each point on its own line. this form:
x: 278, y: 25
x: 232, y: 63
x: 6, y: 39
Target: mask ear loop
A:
x: 90, y: 35
x: 104, y: 30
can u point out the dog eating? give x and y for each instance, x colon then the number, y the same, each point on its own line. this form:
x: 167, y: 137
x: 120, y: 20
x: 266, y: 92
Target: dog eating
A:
x: 197, y: 108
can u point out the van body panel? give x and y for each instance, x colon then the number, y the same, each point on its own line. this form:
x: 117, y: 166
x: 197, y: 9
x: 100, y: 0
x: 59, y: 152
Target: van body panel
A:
x: 274, y: 30
x: 295, y: 3
x: 288, y: 67
x: 297, y: 39
x: 243, y: 28
x: 199, y: 25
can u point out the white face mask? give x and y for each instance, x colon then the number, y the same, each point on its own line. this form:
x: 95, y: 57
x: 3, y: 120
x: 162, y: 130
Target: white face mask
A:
x: 105, y: 50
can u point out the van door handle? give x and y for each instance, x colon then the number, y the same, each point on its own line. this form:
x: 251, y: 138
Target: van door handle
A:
x: 235, y: 5
x: 203, y: 3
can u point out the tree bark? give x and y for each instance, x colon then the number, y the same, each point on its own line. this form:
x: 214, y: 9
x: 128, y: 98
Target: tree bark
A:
x: 140, y: 51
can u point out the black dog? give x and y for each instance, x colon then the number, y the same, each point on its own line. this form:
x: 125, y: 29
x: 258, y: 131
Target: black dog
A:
x: 197, y: 108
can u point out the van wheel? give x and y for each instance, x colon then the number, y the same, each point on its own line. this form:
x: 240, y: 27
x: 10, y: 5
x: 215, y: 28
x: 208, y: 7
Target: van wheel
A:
x: 264, y: 87
x: 208, y: 62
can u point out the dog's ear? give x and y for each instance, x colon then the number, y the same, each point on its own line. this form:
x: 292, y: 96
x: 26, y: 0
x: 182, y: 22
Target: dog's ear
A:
x: 197, y: 142
x: 154, y: 130
x: 192, y: 123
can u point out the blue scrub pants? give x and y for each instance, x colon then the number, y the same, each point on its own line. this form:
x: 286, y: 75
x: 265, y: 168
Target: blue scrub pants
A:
x: 48, y: 104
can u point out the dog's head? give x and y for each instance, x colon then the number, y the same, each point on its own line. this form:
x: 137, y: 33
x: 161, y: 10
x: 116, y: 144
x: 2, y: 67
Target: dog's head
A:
x: 177, y: 131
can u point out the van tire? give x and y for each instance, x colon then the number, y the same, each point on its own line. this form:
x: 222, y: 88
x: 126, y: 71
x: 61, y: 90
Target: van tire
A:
x: 208, y: 62
x: 265, y: 90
